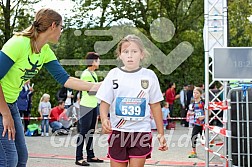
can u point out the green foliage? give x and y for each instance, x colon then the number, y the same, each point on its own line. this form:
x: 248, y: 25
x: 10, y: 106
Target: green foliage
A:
x: 14, y: 16
x: 239, y: 25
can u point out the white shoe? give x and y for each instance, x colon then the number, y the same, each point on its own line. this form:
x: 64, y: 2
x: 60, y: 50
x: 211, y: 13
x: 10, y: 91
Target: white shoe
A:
x: 42, y: 134
x: 47, y: 134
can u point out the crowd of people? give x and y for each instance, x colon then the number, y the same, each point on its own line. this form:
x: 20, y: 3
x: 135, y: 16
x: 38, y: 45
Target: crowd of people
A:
x: 130, y: 95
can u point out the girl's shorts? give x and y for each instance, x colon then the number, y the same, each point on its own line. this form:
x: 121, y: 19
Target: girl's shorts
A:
x: 126, y: 145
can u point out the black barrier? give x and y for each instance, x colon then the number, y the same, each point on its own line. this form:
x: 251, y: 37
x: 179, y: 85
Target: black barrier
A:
x: 241, y: 121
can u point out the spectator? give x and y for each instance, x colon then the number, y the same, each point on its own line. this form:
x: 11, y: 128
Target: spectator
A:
x: 45, y: 110
x: 66, y: 94
x: 202, y: 87
x: 56, y: 115
x: 190, y: 94
x: 88, y: 113
x: 23, y: 104
x: 69, y: 98
x: 170, y: 96
x: 183, y: 105
x: 30, y: 94
x: 166, y: 114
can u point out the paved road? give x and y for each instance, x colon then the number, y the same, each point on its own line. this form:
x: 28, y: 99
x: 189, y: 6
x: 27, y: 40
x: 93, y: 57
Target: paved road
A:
x: 59, y: 151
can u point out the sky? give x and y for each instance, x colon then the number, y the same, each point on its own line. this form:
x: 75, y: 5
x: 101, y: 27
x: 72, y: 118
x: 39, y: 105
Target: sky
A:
x: 64, y: 8
x: 61, y: 6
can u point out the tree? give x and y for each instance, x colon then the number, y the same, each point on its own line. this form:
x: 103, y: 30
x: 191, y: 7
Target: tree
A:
x: 15, y: 15
x: 239, y: 25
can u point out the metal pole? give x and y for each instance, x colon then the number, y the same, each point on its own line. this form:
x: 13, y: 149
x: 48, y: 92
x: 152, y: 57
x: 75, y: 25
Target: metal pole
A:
x: 238, y: 128
x: 225, y: 44
x: 206, y: 16
x: 248, y: 135
x: 225, y: 121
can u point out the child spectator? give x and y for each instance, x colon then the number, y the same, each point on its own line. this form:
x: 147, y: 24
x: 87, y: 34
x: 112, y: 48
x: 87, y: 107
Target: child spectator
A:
x: 199, y: 116
x: 129, y: 93
x: 166, y: 114
x: 45, y: 110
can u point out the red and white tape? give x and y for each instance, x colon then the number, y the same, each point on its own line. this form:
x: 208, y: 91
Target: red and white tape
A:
x: 219, y: 130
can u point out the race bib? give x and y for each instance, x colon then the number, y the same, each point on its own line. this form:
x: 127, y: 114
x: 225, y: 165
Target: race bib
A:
x: 198, y: 113
x: 130, y: 108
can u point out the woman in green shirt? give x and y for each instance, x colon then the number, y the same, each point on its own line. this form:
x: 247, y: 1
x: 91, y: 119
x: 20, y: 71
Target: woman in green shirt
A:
x: 21, y: 58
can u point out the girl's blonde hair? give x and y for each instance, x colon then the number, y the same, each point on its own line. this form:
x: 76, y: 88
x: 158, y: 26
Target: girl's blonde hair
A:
x: 42, y: 21
x: 131, y: 38
x: 199, y: 90
x: 45, y: 95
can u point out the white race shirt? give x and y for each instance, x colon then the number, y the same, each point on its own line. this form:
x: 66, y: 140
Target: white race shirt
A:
x: 129, y: 94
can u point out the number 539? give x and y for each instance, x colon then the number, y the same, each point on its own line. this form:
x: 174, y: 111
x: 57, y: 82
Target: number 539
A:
x: 131, y: 110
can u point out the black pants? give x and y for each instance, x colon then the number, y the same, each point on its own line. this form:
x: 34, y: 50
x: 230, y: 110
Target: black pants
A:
x: 86, y: 127
x: 26, y: 120
x: 196, y: 130
x: 183, y: 113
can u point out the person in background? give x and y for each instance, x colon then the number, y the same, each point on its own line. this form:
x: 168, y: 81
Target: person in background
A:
x: 30, y: 94
x: 166, y: 114
x: 88, y: 113
x: 45, y: 112
x: 202, y: 87
x: 23, y: 104
x: 69, y: 98
x: 170, y: 96
x: 21, y: 58
x: 190, y: 94
x: 66, y: 95
x: 54, y: 122
x: 183, y: 105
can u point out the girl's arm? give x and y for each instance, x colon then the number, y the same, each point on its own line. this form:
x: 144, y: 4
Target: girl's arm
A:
x: 40, y: 110
x: 50, y: 110
x: 169, y: 116
x: 40, y: 113
x: 157, y: 114
x: 104, y: 108
x: 8, y: 122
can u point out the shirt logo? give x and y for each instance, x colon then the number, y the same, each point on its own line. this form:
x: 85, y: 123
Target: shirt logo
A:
x: 144, y: 84
x: 29, y: 73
